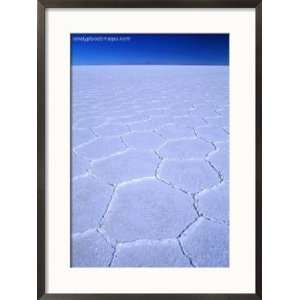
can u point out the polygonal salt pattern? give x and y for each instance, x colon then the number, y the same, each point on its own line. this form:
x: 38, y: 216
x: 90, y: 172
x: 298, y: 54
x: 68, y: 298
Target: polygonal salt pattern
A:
x: 81, y: 136
x: 212, y: 134
x: 151, y: 124
x: 91, y: 249
x: 147, y: 209
x: 205, y: 111
x: 191, y: 176
x: 111, y: 130
x: 150, y: 253
x: 143, y: 140
x: 89, y: 122
x: 80, y: 166
x: 90, y: 200
x: 189, y: 120
x: 137, y: 117
x: 175, y: 131
x: 150, y: 146
x: 207, y: 243
x: 129, y: 165
x: 214, y: 202
x: 217, y: 121
x: 184, y: 149
x: 101, y: 147
x: 220, y: 159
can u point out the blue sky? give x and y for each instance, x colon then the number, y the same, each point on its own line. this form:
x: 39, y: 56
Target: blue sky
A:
x: 153, y: 49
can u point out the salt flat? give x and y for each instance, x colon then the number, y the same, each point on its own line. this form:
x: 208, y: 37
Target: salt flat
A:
x: 150, y: 166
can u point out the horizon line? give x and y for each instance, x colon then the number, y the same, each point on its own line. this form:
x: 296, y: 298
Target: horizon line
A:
x: 73, y: 65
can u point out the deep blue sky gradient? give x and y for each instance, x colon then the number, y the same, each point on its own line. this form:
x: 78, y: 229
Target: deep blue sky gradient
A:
x: 153, y: 49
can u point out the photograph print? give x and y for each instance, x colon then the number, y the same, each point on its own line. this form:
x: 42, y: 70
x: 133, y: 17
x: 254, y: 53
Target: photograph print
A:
x: 150, y: 150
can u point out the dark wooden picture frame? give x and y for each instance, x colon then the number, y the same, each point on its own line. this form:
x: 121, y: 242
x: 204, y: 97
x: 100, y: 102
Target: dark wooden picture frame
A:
x: 41, y: 148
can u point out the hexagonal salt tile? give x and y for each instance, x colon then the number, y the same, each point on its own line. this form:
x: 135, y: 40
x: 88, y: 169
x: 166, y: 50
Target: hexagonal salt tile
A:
x: 207, y: 243
x: 190, y: 175
x: 147, y: 209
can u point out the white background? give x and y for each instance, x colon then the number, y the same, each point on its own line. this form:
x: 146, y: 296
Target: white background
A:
x: 281, y: 148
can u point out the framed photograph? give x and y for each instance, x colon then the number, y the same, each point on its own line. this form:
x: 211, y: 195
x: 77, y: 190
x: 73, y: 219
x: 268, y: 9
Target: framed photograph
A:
x: 149, y: 149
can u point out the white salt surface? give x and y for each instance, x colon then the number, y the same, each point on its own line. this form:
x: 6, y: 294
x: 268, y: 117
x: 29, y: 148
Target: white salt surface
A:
x: 150, y: 166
